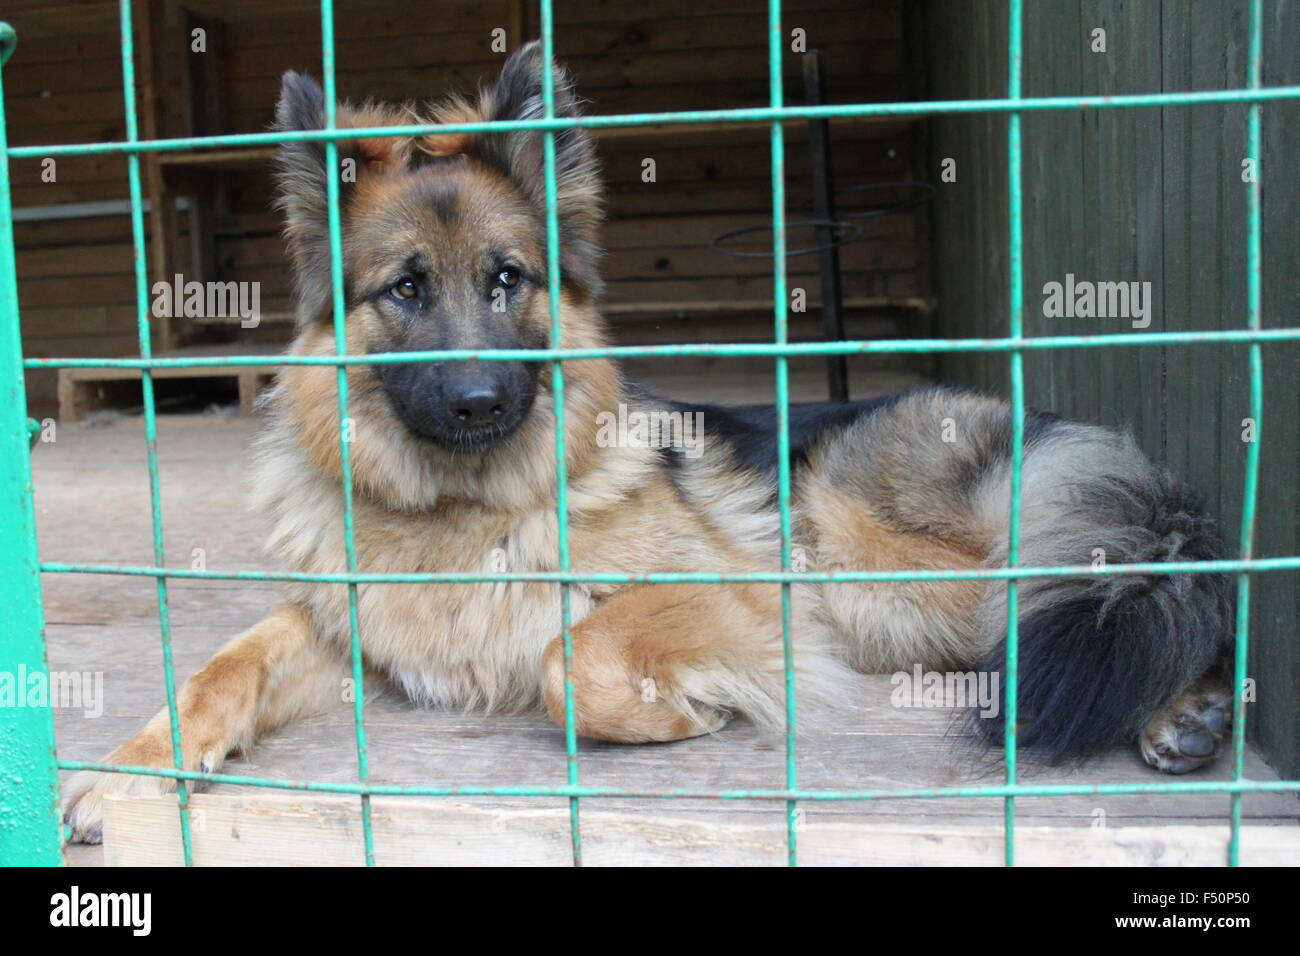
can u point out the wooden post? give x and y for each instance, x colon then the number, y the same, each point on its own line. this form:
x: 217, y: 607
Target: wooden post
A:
x: 149, y: 29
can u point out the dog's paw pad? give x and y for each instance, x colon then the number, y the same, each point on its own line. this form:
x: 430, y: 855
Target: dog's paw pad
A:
x: 1187, y: 734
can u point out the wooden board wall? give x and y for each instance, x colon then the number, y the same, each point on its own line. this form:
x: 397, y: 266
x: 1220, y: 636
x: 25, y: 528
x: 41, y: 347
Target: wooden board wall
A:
x: 64, y: 85
x: 1140, y: 195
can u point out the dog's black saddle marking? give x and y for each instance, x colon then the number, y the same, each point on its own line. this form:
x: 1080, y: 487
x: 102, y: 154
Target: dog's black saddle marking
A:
x: 750, y: 430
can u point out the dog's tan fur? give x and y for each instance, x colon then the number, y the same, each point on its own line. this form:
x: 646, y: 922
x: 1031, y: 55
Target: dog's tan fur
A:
x: 651, y: 662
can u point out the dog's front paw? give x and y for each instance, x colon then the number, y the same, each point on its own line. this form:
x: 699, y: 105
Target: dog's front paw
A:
x: 83, y: 799
x: 1190, y: 731
x: 83, y: 795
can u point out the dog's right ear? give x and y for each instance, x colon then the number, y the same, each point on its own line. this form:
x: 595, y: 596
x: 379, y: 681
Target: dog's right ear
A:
x: 302, y: 103
x: 301, y: 179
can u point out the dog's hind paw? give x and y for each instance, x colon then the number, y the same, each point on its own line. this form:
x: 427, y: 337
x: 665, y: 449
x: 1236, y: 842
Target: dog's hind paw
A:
x: 1190, y: 731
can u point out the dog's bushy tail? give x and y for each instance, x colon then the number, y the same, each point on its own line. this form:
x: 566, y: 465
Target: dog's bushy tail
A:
x: 1099, y: 655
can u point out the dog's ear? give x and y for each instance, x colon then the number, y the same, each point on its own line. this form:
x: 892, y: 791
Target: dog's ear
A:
x: 301, y: 178
x: 517, y: 95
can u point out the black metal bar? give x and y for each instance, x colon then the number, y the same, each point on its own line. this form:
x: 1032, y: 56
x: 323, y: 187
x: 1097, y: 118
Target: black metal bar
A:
x: 819, y: 145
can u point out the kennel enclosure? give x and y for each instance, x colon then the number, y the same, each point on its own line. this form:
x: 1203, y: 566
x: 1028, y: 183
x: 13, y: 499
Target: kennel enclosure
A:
x: 32, y: 833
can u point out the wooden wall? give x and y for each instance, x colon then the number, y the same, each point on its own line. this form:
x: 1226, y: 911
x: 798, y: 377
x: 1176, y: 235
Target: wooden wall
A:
x: 75, y: 291
x: 64, y: 85
x: 1148, y: 195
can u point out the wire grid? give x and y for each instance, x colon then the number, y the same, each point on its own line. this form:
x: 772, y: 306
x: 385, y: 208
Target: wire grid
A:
x: 32, y: 832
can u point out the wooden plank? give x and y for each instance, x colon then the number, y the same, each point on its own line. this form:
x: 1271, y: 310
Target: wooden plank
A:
x: 301, y: 19
x: 63, y: 232
x: 1052, y: 180
x: 664, y: 234
x: 149, y: 24
x: 70, y: 171
x: 79, y: 395
x: 1219, y: 256
x: 57, y: 20
x: 578, y: 45
x: 33, y: 76
x: 99, y: 259
x: 634, y: 290
x: 712, y: 306
x: 448, y: 62
x: 58, y: 291
x: 255, y: 106
x: 102, y: 43
x: 252, y: 156
x: 729, y: 137
x: 126, y: 374
x: 1178, y: 267
x: 660, y: 288
x: 313, y: 830
x: 90, y: 324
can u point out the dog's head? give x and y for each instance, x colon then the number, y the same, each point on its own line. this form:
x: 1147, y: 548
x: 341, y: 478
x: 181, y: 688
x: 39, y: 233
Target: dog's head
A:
x: 444, y: 245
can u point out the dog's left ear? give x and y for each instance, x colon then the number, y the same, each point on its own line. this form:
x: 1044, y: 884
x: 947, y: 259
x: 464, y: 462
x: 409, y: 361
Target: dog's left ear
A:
x: 517, y: 95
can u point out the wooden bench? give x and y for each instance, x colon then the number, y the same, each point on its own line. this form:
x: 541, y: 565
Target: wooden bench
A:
x: 83, y: 390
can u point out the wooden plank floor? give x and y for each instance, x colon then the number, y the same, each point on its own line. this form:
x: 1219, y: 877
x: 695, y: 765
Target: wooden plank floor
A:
x: 92, y: 506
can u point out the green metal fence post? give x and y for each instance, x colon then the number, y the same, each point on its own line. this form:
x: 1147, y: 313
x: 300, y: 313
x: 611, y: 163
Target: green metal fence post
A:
x: 144, y: 335
x: 339, y: 312
x: 1250, y: 487
x: 775, y: 47
x: 557, y: 391
x: 1016, y: 300
x: 29, y: 778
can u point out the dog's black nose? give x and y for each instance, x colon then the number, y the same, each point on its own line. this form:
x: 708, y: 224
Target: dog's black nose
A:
x: 477, y: 405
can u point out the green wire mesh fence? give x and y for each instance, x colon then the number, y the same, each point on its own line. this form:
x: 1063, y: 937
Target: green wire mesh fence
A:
x: 30, y: 828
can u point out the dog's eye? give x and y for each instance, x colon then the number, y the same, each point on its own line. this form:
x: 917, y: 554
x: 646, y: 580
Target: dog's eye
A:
x: 404, y: 289
x: 508, y: 277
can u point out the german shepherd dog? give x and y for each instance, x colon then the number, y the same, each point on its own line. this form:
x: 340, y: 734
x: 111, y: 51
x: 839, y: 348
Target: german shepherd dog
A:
x: 444, y: 247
